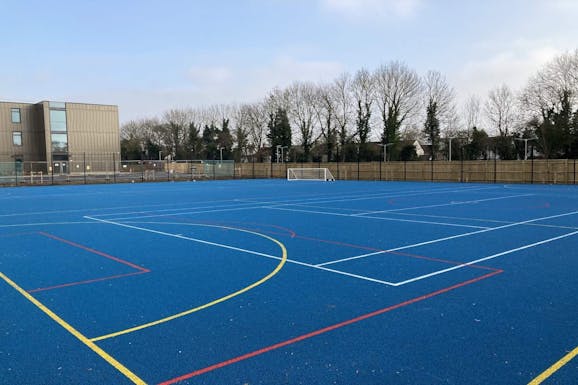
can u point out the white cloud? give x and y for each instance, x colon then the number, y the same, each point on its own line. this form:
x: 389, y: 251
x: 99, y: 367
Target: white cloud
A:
x: 209, y: 75
x: 512, y: 66
x: 370, y: 9
x: 206, y: 85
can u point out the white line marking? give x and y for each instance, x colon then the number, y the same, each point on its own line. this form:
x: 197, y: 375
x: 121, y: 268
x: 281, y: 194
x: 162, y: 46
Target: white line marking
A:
x: 377, y: 218
x: 221, y: 245
x: 184, y: 213
x: 235, y: 248
x: 447, y: 238
x: 453, y: 203
x: 484, y: 220
x: 485, y: 258
x: 396, y: 194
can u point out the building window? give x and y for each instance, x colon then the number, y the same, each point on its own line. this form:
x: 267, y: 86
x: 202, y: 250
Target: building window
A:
x: 17, y: 138
x: 15, y: 112
x: 58, y: 120
x: 59, y: 143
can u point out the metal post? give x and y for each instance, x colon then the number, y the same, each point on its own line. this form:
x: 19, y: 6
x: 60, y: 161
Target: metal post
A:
x: 84, y: 166
x: 495, y: 164
x: 532, y: 168
x: 113, y: 167
x: 253, y: 158
x: 432, y: 167
x: 405, y: 170
x: 462, y: 164
x: 141, y: 167
x: 357, y: 162
x: 16, y: 171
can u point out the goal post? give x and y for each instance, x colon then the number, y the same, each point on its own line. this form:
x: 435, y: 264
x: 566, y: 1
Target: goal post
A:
x: 314, y: 174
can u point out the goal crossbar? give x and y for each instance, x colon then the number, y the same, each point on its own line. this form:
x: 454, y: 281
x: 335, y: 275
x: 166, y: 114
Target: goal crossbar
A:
x: 314, y: 174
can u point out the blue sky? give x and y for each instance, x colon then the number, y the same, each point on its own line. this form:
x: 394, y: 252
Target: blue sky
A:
x: 150, y: 56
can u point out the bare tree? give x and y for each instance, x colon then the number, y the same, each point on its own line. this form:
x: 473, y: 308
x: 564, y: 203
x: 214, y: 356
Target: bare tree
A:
x: 363, y: 88
x: 398, y: 91
x: 547, y: 89
x: 341, y: 93
x: 255, y: 117
x: 175, y: 124
x: 472, y: 112
x: 326, y: 110
x: 500, y: 110
x: 302, y: 98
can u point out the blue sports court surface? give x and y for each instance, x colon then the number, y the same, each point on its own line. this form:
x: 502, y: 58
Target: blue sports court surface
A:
x: 276, y: 282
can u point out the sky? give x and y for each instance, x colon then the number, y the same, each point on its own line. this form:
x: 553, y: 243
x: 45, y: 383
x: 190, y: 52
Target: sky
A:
x: 151, y: 56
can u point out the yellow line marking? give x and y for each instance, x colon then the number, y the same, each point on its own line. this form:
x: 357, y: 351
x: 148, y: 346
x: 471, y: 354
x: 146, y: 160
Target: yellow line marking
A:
x: 554, y: 368
x: 107, y: 357
x: 212, y: 303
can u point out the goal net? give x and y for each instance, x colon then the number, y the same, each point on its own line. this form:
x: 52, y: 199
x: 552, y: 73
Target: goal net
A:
x: 322, y: 174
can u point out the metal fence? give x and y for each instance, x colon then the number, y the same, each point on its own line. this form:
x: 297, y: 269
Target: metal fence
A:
x: 85, y: 170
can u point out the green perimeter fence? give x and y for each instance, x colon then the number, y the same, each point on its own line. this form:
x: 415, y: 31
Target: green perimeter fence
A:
x: 101, y: 170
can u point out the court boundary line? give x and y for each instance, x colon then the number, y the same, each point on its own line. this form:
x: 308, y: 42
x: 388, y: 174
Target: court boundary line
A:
x: 485, y: 220
x: 450, y: 237
x: 554, y: 367
x: 370, y: 217
x: 493, y: 256
x: 78, y: 335
x: 452, y: 203
x: 324, y: 330
x: 285, y: 202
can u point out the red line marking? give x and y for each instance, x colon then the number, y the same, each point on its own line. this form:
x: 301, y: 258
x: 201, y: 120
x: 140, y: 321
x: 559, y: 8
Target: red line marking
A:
x: 86, y: 282
x: 324, y: 330
x: 95, y: 252
x: 141, y: 270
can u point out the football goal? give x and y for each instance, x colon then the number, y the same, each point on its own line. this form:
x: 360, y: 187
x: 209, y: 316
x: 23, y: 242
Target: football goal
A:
x: 322, y: 174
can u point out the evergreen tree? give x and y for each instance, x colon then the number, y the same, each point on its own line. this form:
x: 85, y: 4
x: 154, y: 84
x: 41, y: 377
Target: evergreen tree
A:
x: 194, y: 145
x: 432, y: 128
x: 279, y: 132
x: 225, y: 140
x: 209, y: 140
x: 363, y: 128
x: 478, y: 145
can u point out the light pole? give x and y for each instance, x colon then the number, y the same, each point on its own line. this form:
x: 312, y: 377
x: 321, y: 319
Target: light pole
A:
x: 526, y: 145
x: 282, y: 157
x: 221, y: 151
x: 450, y: 150
x: 385, y: 150
x: 160, y: 155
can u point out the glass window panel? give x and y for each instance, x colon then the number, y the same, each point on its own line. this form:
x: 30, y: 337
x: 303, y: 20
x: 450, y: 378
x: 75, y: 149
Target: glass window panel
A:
x: 17, y: 138
x: 59, y: 143
x: 56, y: 104
x: 57, y: 120
x: 15, y: 112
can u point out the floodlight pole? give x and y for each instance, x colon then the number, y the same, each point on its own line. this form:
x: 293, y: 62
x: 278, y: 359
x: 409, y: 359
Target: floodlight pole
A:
x: 221, y: 151
x: 160, y: 155
x: 385, y: 150
x: 526, y: 145
x: 450, y: 150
